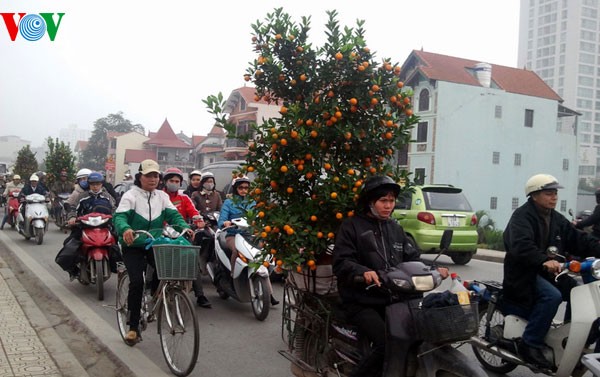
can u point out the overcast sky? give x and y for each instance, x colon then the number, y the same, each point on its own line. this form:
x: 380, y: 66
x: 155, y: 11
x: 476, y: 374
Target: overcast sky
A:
x: 158, y: 59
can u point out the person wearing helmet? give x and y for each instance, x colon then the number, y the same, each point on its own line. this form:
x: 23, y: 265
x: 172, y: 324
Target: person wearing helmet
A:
x: 15, y: 184
x: 530, y: 290
x: 233, y: 208
x: 143, y: 207
x: 593, y: 219
x: 81, y: 185
x: 32, y: 187
x: 173, y: 177
x: 95, y: 199
x: 207, y: 199
x: 193, y: 183
x: 365, y: 243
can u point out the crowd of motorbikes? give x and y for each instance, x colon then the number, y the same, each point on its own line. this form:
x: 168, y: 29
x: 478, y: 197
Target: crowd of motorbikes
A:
x: 420, y: 340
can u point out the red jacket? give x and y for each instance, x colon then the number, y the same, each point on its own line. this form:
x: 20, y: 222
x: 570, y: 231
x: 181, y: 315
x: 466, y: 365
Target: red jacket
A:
x: 184, y: 205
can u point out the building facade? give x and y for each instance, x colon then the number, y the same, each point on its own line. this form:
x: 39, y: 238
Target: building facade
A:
x: 487, y: 129
x: 560, y: 41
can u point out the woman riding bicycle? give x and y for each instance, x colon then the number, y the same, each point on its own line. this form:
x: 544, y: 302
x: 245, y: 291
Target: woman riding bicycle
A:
x: 143, y: 207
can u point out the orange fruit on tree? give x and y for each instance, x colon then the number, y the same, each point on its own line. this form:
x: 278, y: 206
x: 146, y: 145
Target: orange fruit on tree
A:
x: 389, y: 135
x: 278, y: 36
x: 374, y: 101
x: 309, y: 122
x: 313, y: 218
x: 339, y: 56
x: 283, y: 169
x: 294, y: 134
x: 283, y: 142
x: 250, y: 169
x: 320, y: 235
x: 309, y: 175
x: 279, y: 262
x: 353, y: 101
x: 289, y: 231
x: 267, y: 228
x: 400, y: 84
x: 283, y: 110
x: 351, y: 171
x: 261, y: 214
x: 247, y: 77
x: 310, y: 263
x: 263, y: 234
x: 303, y: 77
x: 361, y: 68
x: 266, y: 264
x: 299, y: 269
x: 333, y: 195
x: 338, y: 114
x: 327, y: 166
x: 330, y: 235
x: 375, y: 88
x: 408, y: 112
x: 308, y: 156
x: 339, y: 216
x: 330, y: 94
x: 289, y: 190
x: 273, y: 185
x: 273, y: 251
x: 314, y: 134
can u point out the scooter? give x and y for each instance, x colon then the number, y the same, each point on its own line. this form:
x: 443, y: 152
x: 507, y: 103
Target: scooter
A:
x: 13, y: 207
x: 35, y: 223
x: 60, y: 213
x: 419, y: 337
x: 249, y: 283
x: 496, y: 344
x: 96, y: 243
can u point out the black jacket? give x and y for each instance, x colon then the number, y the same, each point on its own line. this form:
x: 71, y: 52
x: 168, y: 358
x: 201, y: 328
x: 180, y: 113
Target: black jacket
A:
x: 526, y: 249
x: 593, y: 220
x: 28, y: 190
x: 362, y: 244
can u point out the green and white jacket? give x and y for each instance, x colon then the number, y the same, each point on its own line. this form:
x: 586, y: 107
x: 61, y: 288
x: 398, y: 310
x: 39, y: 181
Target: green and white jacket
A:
x: 144, y: 210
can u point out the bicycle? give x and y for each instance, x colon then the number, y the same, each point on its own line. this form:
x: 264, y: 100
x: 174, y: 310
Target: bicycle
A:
x: 177, y: 324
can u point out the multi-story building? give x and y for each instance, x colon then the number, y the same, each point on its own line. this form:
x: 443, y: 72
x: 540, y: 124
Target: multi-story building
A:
x: 487, y: 128
x: 560, y: 41
x: 72, y: 134
x: 10, y: 145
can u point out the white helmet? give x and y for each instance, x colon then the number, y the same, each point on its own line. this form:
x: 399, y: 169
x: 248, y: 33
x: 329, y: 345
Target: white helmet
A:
x: 34, y: 177
x: 541, y: 182
x: 83, y: 173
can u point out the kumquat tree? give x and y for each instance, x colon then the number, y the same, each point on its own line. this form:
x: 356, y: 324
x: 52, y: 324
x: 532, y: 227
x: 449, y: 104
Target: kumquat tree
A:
x: 343, y: 116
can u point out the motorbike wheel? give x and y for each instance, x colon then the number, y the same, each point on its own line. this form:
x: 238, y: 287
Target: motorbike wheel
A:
x: 261, y: 298
x: 39, y: 235
x: 491, y: 332
x: 99, y: 279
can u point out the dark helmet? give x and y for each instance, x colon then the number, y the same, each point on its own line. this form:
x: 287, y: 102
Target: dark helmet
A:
x: 95, y: 177
x: 171, y: 172
x: 377, y: 186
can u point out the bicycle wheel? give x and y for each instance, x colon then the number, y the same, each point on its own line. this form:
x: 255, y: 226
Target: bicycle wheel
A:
x: 179, y: 332
x: 121, y: 306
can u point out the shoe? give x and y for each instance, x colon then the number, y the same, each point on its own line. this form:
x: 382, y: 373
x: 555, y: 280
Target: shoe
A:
x: 203, y: 302
x: 534, y: 355
x: 131, y: 336
x: 274, y: 301
x: 73, y: 276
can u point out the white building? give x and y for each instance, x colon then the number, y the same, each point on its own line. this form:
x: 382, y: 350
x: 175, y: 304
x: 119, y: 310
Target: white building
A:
x: 560, y: 40
x: 487, y: 129
x: 72, y: 134
x: 10, y: 145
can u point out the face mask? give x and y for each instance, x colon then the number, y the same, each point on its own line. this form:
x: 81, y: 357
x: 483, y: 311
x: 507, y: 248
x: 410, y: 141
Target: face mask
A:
x: 172, y: 187
x: 96, y: 192
x: 208, y: 186
x: 84, y: 185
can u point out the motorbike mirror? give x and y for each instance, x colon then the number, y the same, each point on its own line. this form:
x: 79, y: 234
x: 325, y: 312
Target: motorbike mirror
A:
x: 552, y: 252
x: 484, y: 220
x: 444, y: 243
x: 570, y: 212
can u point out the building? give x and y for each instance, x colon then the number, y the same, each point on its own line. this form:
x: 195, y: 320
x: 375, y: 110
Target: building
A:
x: 244, y: 110
x: 209, y: 148
x: 72, y: 134
x: 487, y: 128
x: 169, y: 149
x: 119, y: 144
x: 560, y: 40
x: 10, y: 145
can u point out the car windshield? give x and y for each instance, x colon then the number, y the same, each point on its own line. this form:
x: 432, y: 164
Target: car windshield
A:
x: 443, y: 200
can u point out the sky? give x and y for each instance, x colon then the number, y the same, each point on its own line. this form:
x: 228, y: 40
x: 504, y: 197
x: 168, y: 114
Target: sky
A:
x: 156, y: 60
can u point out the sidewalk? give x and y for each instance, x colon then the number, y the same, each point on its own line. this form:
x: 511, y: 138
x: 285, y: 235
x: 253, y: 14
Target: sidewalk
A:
x: 489, y: 255
x: 29, y: 346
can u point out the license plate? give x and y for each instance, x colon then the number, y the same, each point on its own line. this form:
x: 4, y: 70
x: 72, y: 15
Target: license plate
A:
x: 453, y: 221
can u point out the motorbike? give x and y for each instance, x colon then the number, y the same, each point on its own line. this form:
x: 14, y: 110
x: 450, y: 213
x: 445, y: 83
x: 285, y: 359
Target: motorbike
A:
x: 249, y: 283
x: 13, y: 207
x: 496, y: 344
x: 60, y: 211
x: 35, y: 222
x: 96, y: 243
x: 322, y: 342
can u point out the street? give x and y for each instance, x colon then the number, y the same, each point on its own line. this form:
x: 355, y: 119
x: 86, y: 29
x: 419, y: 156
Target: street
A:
x: 231, y: 339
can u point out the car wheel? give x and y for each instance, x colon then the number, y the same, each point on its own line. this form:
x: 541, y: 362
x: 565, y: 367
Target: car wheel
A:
x: 411, y: 242
x: 461, y: 258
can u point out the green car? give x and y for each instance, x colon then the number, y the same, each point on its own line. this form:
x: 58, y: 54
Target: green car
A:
x: 426, y: 212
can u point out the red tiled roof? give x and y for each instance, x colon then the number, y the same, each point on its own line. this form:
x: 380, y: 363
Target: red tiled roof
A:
x: 139, y: 155
x: 210, y: 149
x: 165, y: 137
x: 458, y: 70
x: 216, y: 131
x: 81, y: 144
x: 197, y: 139
x: 113, y: 134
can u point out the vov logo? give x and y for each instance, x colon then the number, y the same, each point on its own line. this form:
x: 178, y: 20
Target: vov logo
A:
x: 32, y: 27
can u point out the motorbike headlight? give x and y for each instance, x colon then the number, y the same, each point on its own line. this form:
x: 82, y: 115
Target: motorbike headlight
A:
x: 423, y: 283
x: 595, y: 270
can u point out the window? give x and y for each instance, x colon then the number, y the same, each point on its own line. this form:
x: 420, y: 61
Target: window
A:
x: 242, y: 104
x: 517, y: 159
x: 113, y: 144
x: 243, y: 128
x: 163, y: 156
x: 403, y: 155
x: 528, y: 118
x: 565, y: 164
x: 420, y: 176
x: 563, y: 205
x: 515, y: 203
x: 424, y: 100
x: 422, y: 132
x: 498, y: 112
x: 494, y: 202
x: 495, y: 158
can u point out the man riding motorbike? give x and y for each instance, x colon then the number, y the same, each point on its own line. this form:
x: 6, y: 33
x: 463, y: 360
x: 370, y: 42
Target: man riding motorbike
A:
x: 365, y: 243
x: 94, y: 199
x: 60, y: 186
x: 33, y: 187
x: 530, y: 290
x: 15, y: 184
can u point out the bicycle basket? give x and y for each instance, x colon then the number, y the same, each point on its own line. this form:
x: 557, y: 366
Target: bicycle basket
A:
x: 446, y: 324
x: 176, y: 262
